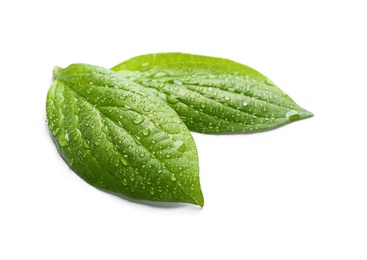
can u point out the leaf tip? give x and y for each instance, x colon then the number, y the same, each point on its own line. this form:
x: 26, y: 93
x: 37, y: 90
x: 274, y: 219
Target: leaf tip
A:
x: 199, y: 199
x: 306, y: 114
x: 200, y: 202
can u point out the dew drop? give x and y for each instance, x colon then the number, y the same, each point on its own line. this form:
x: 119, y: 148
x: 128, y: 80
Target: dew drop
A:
x: 227, y: 98
x: 292, y: 115
x: 182, y: 148
x: 146, y: 132
x: 136, y: 139
x: 173, y: 177
x: 177, y: 82
x: 170, y: 99
x: 123, y: 161
x: 138, y: 119
x: 151, y: 191
x: 55, y: 131
x: 142, y: 154
x: 269, y: 82
x: 86, y: 145
x: 244, y: 103
x: 124, y: 182
x: 160, y: 74
x: 64, y: 140
x: 132, y: 177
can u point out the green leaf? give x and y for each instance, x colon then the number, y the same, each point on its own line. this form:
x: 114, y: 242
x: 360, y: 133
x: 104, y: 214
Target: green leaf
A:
x: 213, y: 95
x: 120, y: 138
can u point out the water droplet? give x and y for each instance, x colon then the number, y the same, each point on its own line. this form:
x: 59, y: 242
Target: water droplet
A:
x: 104, y: 130
x: 123, y: 161
x: 145, y: 64
x: 124, y: 182
x: 160, y: 74
x: 64, y: 140
x: 138, y: 119
x: 227, y: 98
x: 132, y: 177
x: 177, y: 82
x: 173, y: 177
x: 244, y: 103
x: 171, y: 99
x: 71, y: 162
x: 151, y: 191
x: 269, y: 82
x: 182, y: 148
x: 202, y: 105
x: 55, y: 131
x: 146, y: 131
x: 142, y: 154
x: 136, y: 139
x: 292, y: 115
x: 168, y: 155
x: 85, y: 144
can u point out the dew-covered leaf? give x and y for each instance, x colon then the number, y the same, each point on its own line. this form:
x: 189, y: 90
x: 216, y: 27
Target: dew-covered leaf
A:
x: 119, y: 138
x: 213, y: 95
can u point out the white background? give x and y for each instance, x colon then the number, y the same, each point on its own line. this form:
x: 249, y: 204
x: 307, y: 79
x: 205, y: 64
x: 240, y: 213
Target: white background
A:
x: 298, y: 192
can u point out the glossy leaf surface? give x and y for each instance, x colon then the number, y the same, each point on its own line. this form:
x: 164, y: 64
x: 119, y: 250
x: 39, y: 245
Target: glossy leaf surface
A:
x: 119, y: 138
x: 213, y: 95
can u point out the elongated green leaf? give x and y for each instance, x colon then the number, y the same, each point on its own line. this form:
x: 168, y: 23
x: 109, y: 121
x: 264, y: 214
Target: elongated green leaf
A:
x: 120, y: 138
x: 213, y: 95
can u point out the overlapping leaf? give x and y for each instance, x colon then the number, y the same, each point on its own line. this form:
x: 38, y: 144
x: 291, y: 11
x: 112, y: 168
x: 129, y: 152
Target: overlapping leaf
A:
x: 213, y: 95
